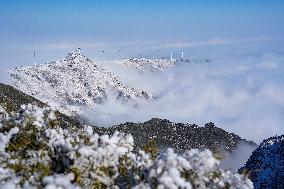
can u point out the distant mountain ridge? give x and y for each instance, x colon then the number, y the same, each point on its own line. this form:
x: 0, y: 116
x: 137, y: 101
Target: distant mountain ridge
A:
x: 179, y: 136
x: 73, y: 83
x: 144, y: 64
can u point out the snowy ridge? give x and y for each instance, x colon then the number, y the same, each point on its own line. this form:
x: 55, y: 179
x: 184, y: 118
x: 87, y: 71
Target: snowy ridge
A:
x: 143, y: 64
x: 73, y: 83
x: 272, y: 140
x: 265, y: 167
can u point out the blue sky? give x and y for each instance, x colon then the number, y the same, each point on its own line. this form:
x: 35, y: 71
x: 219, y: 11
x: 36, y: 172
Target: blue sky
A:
x: 55, y: 27
x: 159, y: 20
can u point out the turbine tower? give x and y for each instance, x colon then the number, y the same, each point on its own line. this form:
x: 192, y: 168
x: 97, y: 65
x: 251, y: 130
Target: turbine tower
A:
x: 182, y: 55
x: 171, y: 55
x: 35, y: 57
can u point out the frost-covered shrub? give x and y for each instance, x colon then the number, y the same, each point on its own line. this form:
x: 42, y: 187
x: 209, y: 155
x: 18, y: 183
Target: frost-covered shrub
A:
x: 35, y: 151
x: 3, y: 115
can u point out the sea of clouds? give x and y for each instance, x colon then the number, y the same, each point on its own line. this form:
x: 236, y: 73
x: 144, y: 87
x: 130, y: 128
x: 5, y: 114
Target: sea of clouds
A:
x: 240, y: 92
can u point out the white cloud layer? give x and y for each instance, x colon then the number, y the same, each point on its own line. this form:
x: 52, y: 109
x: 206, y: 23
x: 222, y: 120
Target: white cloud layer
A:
x: 237, y: 158
x: 241, y: 94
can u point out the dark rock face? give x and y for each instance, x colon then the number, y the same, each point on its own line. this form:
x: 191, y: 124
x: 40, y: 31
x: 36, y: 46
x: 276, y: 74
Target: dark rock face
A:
x: 265, y: 166
x: 179, y: 136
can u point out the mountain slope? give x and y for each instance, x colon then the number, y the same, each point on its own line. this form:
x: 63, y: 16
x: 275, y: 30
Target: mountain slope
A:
x: 73, y: 83
x: 166, y: 134
x: 12, y: 99
x: 265, y: 167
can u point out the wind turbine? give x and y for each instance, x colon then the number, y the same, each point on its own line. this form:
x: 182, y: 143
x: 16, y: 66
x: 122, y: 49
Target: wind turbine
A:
x: 35, y: 57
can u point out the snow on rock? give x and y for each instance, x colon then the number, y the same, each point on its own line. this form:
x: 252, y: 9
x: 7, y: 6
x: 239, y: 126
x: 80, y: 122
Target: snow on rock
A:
x: 73, y: 83
x: 265, y: 167
x: 43, y: 154
x: 143, y: 64
x: 3, y: 114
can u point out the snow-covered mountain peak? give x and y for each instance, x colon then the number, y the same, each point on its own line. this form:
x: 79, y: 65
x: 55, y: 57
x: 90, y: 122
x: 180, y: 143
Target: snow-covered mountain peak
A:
x: 144, y: 64
x: 74, y: 82
x: 75, y: 57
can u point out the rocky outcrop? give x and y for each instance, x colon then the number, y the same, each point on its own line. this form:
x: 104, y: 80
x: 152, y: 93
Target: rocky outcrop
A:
x: 179, y: 136
x: 265, y: 166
